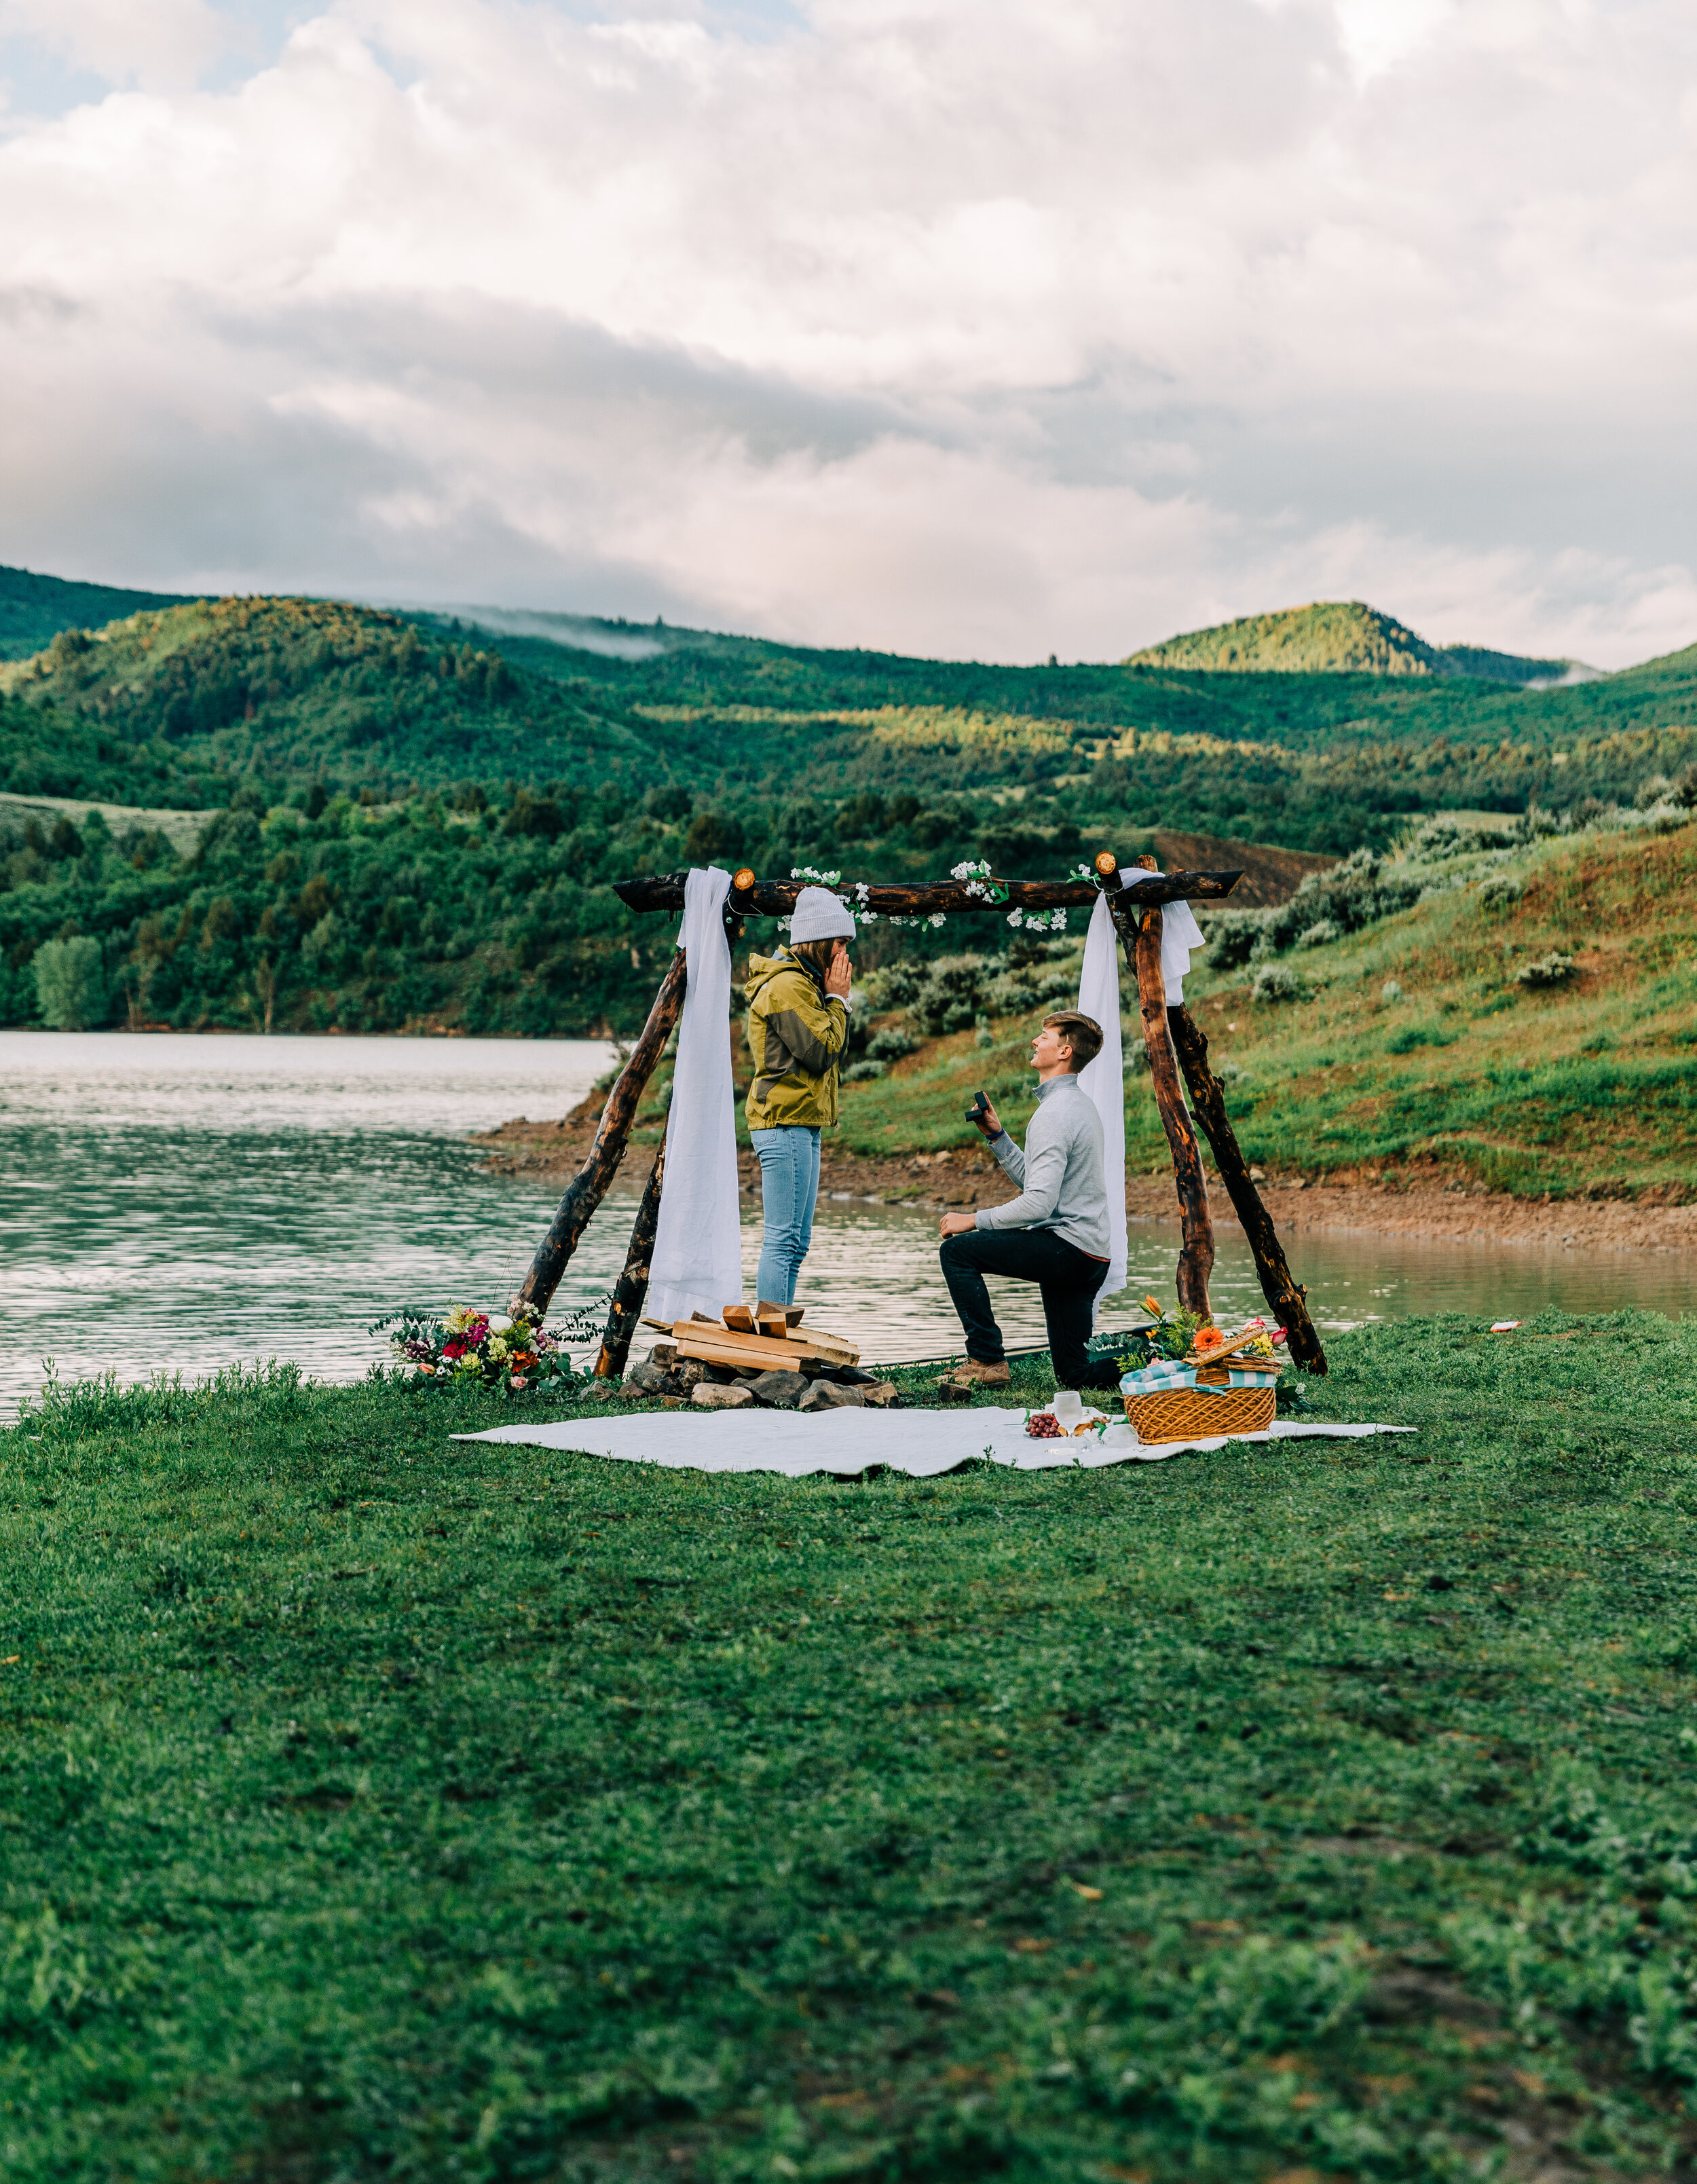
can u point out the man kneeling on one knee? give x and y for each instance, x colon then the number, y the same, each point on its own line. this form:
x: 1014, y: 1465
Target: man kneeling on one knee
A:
x: 1055, y: 1232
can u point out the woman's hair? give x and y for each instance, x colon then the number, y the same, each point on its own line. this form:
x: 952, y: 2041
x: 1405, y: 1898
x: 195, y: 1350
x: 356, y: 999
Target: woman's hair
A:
x: 815, y: 953
x: 1082, y: 1033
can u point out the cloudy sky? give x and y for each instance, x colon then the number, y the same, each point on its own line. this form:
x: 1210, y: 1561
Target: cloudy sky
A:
x: 995, y: 327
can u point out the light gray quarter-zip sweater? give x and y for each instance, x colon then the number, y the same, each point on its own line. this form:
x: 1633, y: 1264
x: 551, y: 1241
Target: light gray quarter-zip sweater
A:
x: 1060, y: 1173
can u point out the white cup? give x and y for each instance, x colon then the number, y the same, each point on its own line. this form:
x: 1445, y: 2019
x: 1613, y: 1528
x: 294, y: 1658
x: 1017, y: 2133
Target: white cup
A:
x: 1069, y: 1407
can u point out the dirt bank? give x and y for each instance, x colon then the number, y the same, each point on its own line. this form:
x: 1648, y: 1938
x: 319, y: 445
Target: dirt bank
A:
x: 1438, y: 1209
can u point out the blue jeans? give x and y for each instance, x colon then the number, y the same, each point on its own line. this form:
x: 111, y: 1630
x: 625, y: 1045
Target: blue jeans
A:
x: 789, y: 1184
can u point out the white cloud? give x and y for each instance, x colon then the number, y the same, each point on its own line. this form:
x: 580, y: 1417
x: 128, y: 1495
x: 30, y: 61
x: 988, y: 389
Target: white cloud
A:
x: 1007, y: 327
x: 155, y: 41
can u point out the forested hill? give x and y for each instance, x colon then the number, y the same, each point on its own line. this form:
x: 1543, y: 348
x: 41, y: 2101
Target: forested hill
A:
x: 419, y: 816
x: 183, y: 704
x: 34, y: 609
x: 1338, y: 637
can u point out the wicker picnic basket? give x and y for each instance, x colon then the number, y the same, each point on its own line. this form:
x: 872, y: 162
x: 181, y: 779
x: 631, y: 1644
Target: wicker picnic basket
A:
x: 1190, y: 1414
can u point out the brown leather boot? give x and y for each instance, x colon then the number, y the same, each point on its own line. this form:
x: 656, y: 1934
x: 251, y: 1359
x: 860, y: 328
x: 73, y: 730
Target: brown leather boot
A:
x: 983, y: 1376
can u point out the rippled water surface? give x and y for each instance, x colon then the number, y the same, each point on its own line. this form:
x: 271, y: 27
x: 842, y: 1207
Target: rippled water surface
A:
x: 175, y: 1203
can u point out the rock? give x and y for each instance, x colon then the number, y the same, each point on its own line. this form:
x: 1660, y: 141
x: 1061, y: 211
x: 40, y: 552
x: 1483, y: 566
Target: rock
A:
x: 955, y: 1391
x: 778, y: 1390
x: 665, y: 1355
x: 652, y: 1379
x: 828, y: 1395
x: 880, y: 1395
x: 689, y: 1374
x: 709, y: 1396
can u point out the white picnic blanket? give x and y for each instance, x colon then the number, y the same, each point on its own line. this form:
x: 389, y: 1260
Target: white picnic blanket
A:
x: 846, y: 1443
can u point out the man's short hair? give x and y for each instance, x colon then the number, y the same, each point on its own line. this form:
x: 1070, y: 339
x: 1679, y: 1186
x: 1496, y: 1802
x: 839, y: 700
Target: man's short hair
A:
x: 1082, y: 1033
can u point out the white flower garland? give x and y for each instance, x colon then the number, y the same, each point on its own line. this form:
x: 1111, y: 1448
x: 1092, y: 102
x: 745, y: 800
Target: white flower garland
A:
x: 976, y: 877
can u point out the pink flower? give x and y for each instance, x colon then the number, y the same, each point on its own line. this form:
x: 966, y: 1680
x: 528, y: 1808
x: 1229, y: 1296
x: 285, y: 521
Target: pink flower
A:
x: 519, y: 1381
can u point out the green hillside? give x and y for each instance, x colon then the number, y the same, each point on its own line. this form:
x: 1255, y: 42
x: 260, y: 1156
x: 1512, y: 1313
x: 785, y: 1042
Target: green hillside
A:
x: 1338, y: 637
x: 1487, y: 1008
x: 497, y: 785
x: 184, y: 704
x: 35, y: 609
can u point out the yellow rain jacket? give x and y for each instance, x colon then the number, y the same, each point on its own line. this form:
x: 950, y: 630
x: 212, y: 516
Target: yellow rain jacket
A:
x: 797, y: 1037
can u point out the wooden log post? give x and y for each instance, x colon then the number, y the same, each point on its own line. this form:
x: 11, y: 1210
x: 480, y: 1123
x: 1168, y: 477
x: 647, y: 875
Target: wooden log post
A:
x: 587, y: 1188
x: 1139, y: 929
x: 1208, y: 1098
x: 631, y: 1291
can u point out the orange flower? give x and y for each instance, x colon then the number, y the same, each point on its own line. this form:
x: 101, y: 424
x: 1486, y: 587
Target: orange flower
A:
x: 1209, y: 1337
x: 1150, y: 1304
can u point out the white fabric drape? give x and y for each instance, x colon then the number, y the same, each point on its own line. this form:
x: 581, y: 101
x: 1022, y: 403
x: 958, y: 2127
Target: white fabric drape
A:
x: 1180, y: 936
x: 1103, y: 1081
x: 698, y: 1259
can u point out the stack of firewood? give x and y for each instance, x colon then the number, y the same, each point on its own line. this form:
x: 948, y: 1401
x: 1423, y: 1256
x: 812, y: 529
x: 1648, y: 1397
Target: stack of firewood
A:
x: 760, y: 1354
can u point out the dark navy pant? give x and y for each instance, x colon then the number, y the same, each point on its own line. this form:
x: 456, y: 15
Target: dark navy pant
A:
x: 1067, y: 1278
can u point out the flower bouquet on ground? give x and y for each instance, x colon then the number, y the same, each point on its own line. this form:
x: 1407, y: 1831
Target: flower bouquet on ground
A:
x: 468, y: 1345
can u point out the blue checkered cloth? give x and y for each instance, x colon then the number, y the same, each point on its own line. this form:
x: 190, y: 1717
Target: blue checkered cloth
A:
x: 1159, y: 1375
x: 1253, y: 1376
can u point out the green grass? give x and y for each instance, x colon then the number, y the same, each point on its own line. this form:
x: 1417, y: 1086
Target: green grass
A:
x: 375, y: 1805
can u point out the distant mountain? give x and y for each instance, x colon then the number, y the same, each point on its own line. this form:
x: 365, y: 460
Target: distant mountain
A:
x: 34, y: 609
x: 1345, y: 637
x: 812, y: 755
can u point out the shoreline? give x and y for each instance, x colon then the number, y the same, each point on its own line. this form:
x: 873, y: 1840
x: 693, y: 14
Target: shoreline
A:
x: 968, y: 1176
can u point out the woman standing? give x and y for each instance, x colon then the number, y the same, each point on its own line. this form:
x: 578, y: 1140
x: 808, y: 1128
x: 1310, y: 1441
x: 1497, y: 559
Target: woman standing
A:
x: 798, y: 1005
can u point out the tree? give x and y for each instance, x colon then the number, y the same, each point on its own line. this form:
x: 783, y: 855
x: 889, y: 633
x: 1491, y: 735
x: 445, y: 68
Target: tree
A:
x: 70, y: 983
x: 714, y: 835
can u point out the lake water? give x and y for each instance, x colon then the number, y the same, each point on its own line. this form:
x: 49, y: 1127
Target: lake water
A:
x: 173, y: 1203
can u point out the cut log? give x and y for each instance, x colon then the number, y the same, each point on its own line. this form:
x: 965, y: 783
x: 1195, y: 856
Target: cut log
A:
x: 1278, y: 1286
x: 722, y: 1345
x: 738, y: 1352
x: 588, y: 1187
x: 739, y: 1319
x: 631, y: 1291
x: 696, y: 1337
x: 777, y: 898
x: 834, y: 1349
x: 1140, y: 934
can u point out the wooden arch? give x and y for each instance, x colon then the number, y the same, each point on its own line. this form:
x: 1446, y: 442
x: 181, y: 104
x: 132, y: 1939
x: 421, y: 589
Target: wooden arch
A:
x: 1172, y: 1038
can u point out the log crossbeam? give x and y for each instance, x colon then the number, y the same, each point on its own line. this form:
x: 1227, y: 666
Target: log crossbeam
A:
x: 758, y: 898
